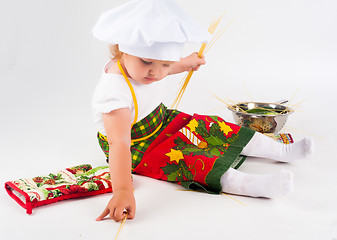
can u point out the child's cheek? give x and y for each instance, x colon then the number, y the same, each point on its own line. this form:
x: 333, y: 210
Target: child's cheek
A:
x: 167, y: 71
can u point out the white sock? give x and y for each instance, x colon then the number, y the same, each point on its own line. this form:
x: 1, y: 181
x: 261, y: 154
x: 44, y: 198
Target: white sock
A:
x: 265, y: 147
x: 270, y: 186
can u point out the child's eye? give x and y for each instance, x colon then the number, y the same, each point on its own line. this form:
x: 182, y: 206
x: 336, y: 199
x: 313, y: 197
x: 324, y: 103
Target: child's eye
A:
x: 146, y: 62
x: 166, y: 65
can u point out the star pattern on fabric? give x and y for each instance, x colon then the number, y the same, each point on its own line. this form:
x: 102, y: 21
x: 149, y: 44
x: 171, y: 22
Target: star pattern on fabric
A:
x: 225, y: 128
x: 192, y: 125
x: 175, y: 155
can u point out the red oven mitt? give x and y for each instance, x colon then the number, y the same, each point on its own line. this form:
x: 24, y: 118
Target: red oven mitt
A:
x: 74, y: 182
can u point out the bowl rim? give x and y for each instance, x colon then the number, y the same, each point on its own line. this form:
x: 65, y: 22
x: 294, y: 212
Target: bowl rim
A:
x: 290, y: 110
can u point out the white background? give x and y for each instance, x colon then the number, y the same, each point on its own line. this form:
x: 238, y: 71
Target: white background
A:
x: 49, y: 66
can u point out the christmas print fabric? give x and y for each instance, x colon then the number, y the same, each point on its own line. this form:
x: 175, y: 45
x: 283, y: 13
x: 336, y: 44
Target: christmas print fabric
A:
x: 194, y: 151
x: 74, y: 182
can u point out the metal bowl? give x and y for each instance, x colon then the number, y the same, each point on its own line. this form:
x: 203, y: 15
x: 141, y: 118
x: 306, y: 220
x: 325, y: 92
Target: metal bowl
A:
x: 265, y: 123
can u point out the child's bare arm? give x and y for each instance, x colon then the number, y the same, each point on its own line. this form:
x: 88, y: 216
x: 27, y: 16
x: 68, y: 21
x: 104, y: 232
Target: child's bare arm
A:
x: 117, y: 125
x: 191, y: 62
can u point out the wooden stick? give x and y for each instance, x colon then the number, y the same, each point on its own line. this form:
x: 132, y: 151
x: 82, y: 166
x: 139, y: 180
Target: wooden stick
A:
x: 187, y: 190
x: 217, y: 36
x: 244, y: 85
x: 228, y: 105
x: 233, y: 199
x: 211, y: 29
x: 122, y: 224
x: 294, y: 129
x: 292, y: 106
x: 292, y: 97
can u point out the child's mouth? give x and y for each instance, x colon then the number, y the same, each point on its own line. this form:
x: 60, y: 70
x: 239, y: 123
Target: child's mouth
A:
x: 151, y: 79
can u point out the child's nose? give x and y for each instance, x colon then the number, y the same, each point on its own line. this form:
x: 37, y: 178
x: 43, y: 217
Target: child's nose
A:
x: 154, y: 71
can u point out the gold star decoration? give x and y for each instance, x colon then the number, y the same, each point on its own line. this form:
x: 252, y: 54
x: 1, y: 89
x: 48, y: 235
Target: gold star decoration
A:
x: 225, y: 128
x: 192, y: 125
x: 175, y: 155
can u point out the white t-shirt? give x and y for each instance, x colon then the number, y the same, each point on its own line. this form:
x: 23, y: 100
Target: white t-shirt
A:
x: 112, y: 93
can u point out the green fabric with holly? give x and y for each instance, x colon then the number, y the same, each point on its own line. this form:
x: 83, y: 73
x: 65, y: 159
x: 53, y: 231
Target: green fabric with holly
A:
x: 195, y: 151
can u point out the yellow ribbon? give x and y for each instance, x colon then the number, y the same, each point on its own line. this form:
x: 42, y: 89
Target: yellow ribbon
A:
x: 136, y: 105
x: 146, y: 137
x: 132, y: 91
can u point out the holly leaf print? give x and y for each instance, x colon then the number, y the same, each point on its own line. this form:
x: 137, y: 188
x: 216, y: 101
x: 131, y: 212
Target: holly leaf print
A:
x: 177, y: 172
x: 201, y: 129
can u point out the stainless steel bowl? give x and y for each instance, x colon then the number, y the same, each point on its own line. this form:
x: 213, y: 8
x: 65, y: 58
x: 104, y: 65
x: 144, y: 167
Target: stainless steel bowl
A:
x: 270, y: 123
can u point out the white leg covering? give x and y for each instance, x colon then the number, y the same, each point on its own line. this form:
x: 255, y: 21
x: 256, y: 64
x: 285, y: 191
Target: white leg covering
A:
x: 270, y: 186
x: 265, y: 147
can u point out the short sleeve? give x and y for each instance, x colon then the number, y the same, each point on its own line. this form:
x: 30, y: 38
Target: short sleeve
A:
x: 111, y: 94
x: 112, y: 101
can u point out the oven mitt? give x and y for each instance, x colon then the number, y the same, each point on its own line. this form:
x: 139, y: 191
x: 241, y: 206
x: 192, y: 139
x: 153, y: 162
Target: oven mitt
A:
x: 74, y: 182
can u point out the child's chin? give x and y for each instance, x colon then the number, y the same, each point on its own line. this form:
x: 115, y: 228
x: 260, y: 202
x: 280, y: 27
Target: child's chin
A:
x: 148, y: 81
x: 151, y: 80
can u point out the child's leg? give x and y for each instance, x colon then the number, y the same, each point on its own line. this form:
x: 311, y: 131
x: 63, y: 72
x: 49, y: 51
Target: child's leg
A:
x: 269, y: 186
x: 265, y: 147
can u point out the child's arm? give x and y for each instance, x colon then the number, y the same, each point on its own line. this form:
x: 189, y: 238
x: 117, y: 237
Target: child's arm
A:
x: 118, y: 126
x: 189, y: 63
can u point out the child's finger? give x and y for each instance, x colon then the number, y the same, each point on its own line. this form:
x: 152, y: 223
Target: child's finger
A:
x: 202, y: 61
x: 103, y: 214
x: 119, y: 214
x: 196, y: 68
x: 131, y: 213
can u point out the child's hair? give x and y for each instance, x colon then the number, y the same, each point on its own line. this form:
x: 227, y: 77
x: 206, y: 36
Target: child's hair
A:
x: 115, y: 53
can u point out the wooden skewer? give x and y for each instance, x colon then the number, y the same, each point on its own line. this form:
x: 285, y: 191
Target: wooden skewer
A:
x: 292, y: 106
x: 231, y: 106
x: 244, y: 85
x: 292, y: 97
x: 122, y: 224
x: 218, y: 35
x: 228, y: 105
x: 294, y: 129
x: 213, y: 26
x: 230, y: 100
x: 187, y: 190
x: 233, y: 199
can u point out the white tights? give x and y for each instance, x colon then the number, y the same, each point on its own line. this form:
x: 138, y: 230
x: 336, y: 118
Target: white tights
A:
x: 270, y: 185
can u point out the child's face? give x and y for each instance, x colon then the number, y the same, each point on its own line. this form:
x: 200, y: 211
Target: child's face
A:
x: 145, y: 70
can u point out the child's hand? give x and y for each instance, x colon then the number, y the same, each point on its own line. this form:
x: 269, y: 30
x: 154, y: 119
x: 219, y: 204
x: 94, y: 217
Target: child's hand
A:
x: 122, y: 200
x: 189, y: 63
x: 193, y: 62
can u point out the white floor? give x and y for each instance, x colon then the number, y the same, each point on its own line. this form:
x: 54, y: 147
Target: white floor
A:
x: 49, y: 65
x: 163, y: 212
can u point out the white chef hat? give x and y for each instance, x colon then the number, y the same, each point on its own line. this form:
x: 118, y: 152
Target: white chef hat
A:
x: 155, y: 29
